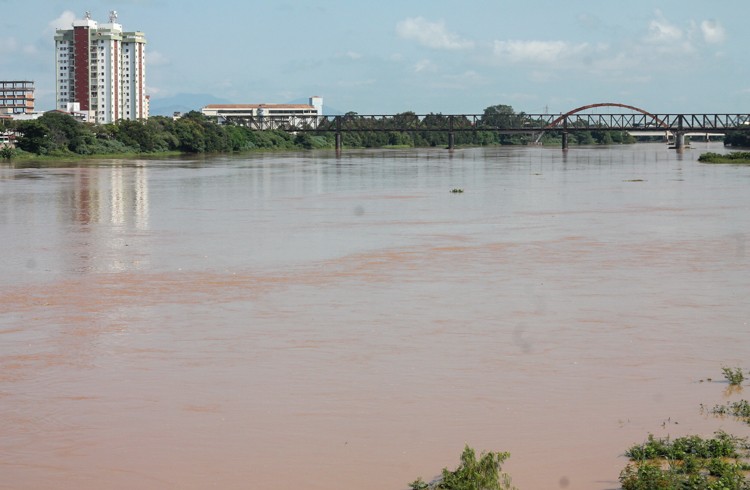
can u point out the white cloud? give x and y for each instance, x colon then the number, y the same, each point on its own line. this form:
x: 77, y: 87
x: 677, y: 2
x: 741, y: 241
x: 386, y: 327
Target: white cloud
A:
x: 713, y: 32
x: 536, y: 51
x: 63, y: 22
x: 424, y: 66
x: 431, y: 34
x: 155, y: 58
x: 665, y: 39
x: 662, y: 32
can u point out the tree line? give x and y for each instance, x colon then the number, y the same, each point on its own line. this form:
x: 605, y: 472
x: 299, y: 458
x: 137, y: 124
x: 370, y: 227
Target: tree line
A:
x: 433, y: 129
x: 59, y: 134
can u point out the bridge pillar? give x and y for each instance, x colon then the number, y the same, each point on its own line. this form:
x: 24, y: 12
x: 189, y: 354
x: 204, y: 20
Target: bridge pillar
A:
x: 451, y: 140
x: 338, y: 141
x: 679, y: 140
x: 565, y: 141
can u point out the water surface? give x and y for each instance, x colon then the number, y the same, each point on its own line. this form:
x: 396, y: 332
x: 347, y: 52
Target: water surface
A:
x: 305, y: 321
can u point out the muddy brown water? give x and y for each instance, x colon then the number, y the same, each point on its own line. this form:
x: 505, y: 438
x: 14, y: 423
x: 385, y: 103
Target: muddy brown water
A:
x: 289, y: 321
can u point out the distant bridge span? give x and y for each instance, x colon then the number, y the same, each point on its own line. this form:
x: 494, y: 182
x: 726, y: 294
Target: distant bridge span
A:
x: 563, y: 117
x: 575, y: 120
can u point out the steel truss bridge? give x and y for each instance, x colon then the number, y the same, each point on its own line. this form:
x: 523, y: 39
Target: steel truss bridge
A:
x: 573, y: 121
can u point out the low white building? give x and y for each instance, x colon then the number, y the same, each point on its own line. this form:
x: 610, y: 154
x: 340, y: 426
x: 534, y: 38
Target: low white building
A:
x: 225, y: 112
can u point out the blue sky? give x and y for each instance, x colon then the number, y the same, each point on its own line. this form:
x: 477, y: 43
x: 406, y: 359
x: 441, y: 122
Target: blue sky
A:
x: 421, y: 55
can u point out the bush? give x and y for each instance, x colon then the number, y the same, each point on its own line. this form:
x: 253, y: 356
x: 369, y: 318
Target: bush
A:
x: 689, y: 462
x: 7, y: 152
x: 735, y: 157
x: 734, y: 376
x: 472, y: 474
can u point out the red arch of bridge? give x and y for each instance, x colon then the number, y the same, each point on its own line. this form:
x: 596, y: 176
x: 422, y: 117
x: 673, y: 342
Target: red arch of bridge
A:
x: 606, y: 104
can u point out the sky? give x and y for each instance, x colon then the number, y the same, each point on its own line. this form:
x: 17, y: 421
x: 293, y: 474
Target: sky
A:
x: 390, y: 56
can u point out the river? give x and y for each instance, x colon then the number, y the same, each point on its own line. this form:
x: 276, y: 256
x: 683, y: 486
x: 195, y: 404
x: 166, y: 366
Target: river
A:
x: 302, y: 320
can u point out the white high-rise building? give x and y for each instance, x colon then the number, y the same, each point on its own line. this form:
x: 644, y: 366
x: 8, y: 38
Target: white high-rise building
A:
x: 102, y: 69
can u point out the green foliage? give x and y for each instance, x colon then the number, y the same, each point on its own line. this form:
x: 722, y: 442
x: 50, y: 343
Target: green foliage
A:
x: 60, y: 134
x: 721, y: 446
x: 735, y: 377
x: 7, y: 152
x: 738, y: 139
x: 648, y: 476
x: 33, y: 137
x: 311, y: 142
x: 419, y: 484
x: 472, y: 474
x: 739, y: 409
x: 57, y: 133
x: 735, y: 157
x: 687, y: 462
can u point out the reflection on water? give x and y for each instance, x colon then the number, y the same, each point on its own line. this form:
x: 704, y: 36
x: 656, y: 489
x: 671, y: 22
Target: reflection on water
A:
x: 80, y: 219
x: 108, y: 196
x: 303, y: 320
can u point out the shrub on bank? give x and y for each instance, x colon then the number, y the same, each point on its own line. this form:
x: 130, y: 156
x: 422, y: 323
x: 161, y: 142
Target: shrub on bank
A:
x: 735, y: 157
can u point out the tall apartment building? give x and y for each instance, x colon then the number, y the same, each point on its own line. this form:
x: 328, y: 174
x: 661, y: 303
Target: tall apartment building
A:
x: 101, y: 70
x: 16, y: 97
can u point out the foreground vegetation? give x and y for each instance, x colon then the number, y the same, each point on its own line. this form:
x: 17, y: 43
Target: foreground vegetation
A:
x: 721, y: 462
x: 472, y: 474
x: 738, y: 157
x: 689, y: 462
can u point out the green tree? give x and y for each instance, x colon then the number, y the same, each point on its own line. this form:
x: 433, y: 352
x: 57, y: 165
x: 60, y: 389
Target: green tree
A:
x: 499, y: 117
x: 66, y: 133
x: 33, y: 137
x: 190, y: 135
x: 738, y: 138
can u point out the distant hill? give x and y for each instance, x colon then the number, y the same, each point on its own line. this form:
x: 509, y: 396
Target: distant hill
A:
x: 330, y: 111
x: 183, y: 103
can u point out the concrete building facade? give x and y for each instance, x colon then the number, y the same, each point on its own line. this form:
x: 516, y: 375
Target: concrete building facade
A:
x: 16, y: 97
x: 225, y: 112
x: 103, y: 69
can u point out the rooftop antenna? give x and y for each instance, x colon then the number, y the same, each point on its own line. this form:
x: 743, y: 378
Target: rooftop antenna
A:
x: 112, y: 16
x: 88, y: 15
